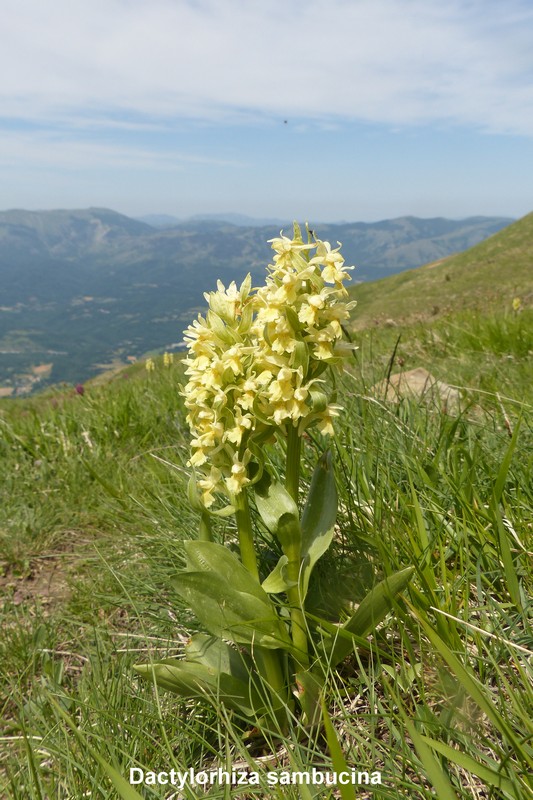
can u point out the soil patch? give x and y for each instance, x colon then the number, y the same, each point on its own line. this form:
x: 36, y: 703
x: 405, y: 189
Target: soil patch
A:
x: 43, y: 584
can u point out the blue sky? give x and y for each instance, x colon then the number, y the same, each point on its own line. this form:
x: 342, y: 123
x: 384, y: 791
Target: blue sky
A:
x: 315, y: 109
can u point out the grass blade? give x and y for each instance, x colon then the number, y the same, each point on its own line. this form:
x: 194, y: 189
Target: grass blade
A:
x: 337, y: 756
x: 490, y: 776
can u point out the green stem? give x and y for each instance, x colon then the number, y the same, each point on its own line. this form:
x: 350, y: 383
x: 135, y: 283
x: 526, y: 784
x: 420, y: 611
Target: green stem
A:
x: 292, y: 484
x: 268, y: 661
x: 246, y: 537
x: 292, y: 473
x: 269, y: 667
x: 205, y: 533
x: 298, y: 626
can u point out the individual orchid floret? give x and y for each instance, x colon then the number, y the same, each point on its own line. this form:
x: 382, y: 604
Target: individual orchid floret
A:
x: 288, y: 251
x: 208, y: 485
x: 325, y: 424
x: 333, y: 262
x: 238, y: 477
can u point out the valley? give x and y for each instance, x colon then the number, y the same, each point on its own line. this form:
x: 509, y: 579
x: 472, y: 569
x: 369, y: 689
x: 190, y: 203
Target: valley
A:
x: 91, y: 287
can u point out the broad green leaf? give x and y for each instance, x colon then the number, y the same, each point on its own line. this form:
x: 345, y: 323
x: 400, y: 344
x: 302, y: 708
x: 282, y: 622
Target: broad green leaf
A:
x: 230, y: 611
x: 278, y: 581
x: 320, y: 511
x: 279, y: 512
x: 371, y: 611
x: 219, y: 655
x: 289, y: 536
x: 177, y: 676
x: 318, y: 518
x: 215, y: 558
x: 330, y: 632
x: 200, y: 681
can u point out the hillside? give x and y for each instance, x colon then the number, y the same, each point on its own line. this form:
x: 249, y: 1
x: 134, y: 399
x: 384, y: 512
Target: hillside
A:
x: 487, y: 276
x: 94, y: 509
x: 82, y: 290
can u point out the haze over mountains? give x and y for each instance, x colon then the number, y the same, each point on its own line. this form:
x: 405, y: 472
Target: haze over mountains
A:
x: 87, y: 288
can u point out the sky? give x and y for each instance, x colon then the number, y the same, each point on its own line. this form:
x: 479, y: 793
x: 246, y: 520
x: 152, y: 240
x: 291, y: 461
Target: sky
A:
x: 309, y: 109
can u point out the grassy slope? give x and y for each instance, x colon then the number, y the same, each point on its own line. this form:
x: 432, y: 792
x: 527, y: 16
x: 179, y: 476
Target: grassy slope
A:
x: 455, y: 318
x: 488, y: 276
x: 93, y: 509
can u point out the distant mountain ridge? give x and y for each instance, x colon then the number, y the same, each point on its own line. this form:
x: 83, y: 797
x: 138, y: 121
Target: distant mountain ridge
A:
x: 86, y: 288
x: 241, y: 220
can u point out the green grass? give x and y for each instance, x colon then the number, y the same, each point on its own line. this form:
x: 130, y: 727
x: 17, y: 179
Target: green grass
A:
x: 488, y: 357
x: 487, y: 277
x: 92, y: 513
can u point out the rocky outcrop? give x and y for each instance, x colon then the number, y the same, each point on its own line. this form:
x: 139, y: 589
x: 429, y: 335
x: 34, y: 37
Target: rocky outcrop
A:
x: 419, y: 384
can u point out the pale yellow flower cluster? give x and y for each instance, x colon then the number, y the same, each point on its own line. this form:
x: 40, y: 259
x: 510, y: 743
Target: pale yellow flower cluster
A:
x: 257, y: 361
x: 298, y: 329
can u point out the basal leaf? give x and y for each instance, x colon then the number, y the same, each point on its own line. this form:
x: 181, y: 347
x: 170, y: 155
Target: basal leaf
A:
x: 289, y: 536
x: 279, y: 512
x: 219, y: 655
x: 214, y: 558
x: 201, y: 682
x: 371, y: 611
x: 318, y: 518
x: 230, y: 611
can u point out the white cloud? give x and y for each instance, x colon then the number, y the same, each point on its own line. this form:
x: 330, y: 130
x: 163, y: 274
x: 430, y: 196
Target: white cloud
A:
x: 399, y: 62
x: 52, y: 152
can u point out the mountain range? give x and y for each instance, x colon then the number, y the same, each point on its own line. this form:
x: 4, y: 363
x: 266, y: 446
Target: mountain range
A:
x: 83, y: 290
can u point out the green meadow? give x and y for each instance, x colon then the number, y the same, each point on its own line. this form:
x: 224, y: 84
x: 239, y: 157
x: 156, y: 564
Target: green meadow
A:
x: 438, y: 699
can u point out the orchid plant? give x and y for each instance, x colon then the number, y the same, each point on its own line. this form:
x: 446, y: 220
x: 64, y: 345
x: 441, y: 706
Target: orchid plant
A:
x: 261, y: 371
